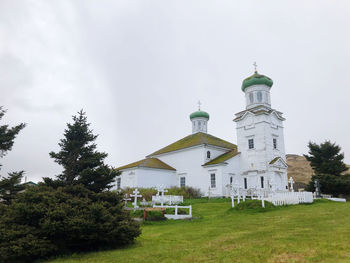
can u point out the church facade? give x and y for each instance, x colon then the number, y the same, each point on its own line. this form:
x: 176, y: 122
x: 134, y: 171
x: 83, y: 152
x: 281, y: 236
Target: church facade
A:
x: 211, y: 164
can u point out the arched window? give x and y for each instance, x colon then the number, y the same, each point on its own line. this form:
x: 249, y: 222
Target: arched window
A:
x: 251, y: 97
x: 208, y: 154
x: 199, y: 125
x: 259, y: 95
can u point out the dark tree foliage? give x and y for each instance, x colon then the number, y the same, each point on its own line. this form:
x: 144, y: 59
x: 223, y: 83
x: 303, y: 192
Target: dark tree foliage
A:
x: 7, y: 135
x: 43, y: 222
x: 10, y: 186
x: 326, y: 158
x: 82, y: 163
x: 332, y: 184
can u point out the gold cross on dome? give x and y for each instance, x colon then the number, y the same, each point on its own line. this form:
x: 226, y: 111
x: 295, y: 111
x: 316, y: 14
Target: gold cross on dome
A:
x: 199, y: 105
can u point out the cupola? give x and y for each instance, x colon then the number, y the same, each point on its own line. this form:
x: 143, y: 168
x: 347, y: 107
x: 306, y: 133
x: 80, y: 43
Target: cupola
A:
x: 257, y: 90
x: 199, y: 121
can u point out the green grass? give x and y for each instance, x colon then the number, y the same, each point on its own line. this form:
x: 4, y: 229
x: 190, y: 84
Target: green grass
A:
x: 302, y: 233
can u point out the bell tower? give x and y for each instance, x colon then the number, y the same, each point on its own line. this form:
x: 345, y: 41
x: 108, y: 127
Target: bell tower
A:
x: 260, y: 137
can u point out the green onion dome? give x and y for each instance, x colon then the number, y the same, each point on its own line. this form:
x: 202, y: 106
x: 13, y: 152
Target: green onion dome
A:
x: 199, y: 114
x: 256, y: 79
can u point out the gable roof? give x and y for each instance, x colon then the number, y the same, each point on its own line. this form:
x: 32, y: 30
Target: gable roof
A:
x: 198, y: 138
x: 276, y: 159
x: 149, y: 163
x: 223, y: 157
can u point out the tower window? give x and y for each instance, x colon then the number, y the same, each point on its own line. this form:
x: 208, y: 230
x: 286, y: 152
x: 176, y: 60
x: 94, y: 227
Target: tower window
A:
x: 245, y: 183
x: 231, y: 180
x: 251, y: 143
x: 212, y: 181
x: 208, y: 154
x: 262, y: 181
x: 182, y: 181
x: 259, y: 95
x: 251, y: 97
x: 199, y: 125
x: 274, y: 143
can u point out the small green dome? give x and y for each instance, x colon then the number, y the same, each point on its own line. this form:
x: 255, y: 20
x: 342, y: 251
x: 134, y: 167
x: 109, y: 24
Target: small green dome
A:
x: 199, y: 114
x: 256, y: 79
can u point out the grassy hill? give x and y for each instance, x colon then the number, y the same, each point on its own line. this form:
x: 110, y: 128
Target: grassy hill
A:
x: 299, y: 168
x: 319, y: 232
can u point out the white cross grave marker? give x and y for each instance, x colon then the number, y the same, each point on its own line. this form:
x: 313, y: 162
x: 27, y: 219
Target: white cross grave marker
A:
x: 291, y: 181
x: 135, y: 195
x: 126, y: 199
x: 161, y: 190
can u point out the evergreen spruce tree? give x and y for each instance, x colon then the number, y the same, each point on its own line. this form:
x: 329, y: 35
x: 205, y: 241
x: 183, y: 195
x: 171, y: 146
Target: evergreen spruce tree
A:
x: 7, y: 135
x: 82, y: 163
x: 326, y: 158
x: 11, y: 185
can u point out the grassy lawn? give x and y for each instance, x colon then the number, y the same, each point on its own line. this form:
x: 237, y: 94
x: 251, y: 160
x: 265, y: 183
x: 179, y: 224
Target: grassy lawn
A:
x: 302, y: 233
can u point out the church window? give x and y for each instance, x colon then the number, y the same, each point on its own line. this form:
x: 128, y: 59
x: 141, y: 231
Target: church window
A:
x: 212, y: 181
x: 251, y: 97
x: 251, y: 143
x: 231, y: 180
x: 208, y: 154
x: 245, y: 183
x: 274, y: 143
x: 199, y: 125
x: 262, y: 181
x: 118, y: 182
x: 182, y: 181
x: 259, y: 95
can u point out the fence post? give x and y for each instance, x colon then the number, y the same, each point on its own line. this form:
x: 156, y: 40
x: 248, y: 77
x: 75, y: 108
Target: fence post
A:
x: 176, y: 210
x: 190, y: 210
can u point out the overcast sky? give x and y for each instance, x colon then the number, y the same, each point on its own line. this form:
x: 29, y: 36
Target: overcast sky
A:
x: 138, y: 69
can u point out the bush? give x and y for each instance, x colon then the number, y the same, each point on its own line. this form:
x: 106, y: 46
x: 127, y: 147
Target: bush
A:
x: 331, y: 184
x: 253, y: 205
x: 155, y: 216
x: 43, y: 222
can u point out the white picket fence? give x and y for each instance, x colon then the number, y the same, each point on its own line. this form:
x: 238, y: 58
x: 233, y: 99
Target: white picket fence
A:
x: 167, y: 199
x: 290, y: 198
x: 176, y: 215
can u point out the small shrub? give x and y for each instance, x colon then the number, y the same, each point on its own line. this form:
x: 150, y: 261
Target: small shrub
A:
x: 155, y: 216
x: 253, y: 205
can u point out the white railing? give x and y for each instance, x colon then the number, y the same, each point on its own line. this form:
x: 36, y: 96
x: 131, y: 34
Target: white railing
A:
x: 176, y: 215
x: 290, y: 198
x: 167, y: 199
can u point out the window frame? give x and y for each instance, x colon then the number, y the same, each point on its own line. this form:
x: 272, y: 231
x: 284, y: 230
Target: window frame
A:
x: 274, y: 143
x: 212, y: 179
x: 208, y: 154
x: 119, y: 182
x: 184, y: 181
x: 251, y: 143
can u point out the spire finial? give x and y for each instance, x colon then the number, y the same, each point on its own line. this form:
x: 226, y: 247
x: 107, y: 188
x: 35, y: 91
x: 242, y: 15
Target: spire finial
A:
x: 255, y: 67
x: 199, y: 105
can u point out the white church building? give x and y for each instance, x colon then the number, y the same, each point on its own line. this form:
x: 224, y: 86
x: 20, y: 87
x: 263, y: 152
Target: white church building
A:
x: 203, y: 161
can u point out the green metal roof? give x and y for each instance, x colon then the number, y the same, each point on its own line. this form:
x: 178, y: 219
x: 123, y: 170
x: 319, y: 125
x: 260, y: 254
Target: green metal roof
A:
x: 256, y: 79
x: 223, y: 157
x: 199, y: 114
x: 149, y: 163
x: 274, y: 160
x: 194, y: 140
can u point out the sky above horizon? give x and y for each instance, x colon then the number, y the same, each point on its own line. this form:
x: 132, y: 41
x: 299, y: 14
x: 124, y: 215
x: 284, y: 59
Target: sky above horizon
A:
x: 138, y: 69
